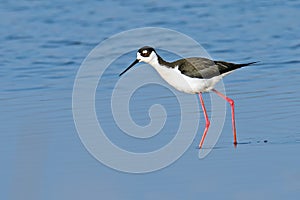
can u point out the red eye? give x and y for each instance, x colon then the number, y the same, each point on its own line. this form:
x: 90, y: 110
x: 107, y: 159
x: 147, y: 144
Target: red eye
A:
x: 144, y: 53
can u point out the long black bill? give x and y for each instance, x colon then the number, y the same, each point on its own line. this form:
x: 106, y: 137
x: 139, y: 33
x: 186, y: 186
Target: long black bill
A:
x: 132, y: 64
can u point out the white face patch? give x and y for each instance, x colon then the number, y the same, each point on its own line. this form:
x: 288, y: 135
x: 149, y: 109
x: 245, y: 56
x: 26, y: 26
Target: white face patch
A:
x: 145, y: 51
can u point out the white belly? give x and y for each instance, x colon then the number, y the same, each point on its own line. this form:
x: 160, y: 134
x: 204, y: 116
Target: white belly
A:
x: 185, y: 83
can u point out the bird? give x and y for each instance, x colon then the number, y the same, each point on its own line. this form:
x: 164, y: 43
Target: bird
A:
x: 194, y: 75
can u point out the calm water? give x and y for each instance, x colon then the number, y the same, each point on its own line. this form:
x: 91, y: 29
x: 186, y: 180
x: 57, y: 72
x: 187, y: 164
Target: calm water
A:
x: 42, y: 47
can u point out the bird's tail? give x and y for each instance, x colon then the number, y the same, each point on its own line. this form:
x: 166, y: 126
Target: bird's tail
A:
x: 224, y: 67
x: 245, y: 64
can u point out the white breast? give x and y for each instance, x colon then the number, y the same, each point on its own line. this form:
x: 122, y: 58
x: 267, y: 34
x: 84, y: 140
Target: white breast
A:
x: 185, y: 83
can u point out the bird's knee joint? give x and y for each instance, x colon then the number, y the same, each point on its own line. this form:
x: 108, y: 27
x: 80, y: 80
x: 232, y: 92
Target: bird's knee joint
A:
x: 207, y: 123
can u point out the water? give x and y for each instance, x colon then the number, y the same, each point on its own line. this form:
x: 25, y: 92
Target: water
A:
x: 42, y: 47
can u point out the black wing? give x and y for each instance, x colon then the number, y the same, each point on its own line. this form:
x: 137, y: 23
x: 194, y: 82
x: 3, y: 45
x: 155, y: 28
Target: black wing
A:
x: 205, y: 68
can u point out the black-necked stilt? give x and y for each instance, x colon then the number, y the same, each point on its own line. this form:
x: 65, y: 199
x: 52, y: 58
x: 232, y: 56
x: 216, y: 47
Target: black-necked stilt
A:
x: 191, y: 75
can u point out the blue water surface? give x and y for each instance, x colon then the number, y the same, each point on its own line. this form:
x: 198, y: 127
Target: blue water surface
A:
x: 43, y: 44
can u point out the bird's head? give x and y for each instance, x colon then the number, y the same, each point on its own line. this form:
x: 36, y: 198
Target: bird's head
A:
x: 145, y: 54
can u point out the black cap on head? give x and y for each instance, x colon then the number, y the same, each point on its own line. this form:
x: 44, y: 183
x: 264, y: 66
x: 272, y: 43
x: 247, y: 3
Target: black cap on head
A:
x: 146, y: 51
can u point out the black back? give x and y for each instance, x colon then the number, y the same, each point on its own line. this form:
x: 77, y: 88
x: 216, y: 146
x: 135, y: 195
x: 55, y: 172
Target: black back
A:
x: 205, y: 68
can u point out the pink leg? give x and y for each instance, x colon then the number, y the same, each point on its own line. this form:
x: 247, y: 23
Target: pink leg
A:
x: 207, y: 123
x: 231, y: 102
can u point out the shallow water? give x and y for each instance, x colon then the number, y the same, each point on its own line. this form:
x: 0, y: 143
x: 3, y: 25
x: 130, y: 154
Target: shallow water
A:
x: 42, y: 47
